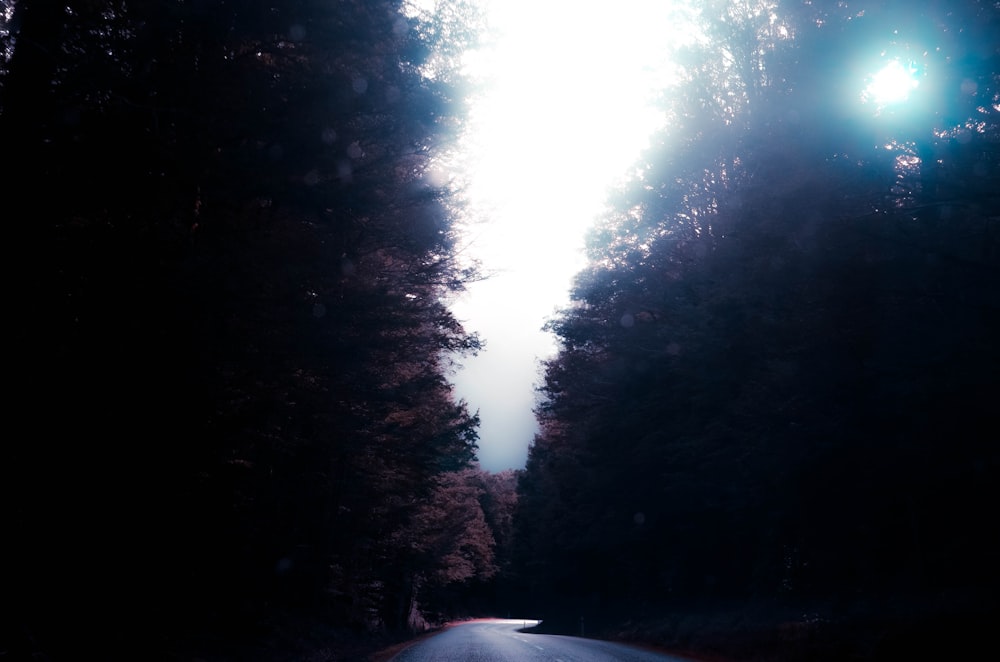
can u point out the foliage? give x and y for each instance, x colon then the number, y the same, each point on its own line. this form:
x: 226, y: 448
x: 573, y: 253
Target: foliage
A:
x: 232, y: 320
x: 773, y: 379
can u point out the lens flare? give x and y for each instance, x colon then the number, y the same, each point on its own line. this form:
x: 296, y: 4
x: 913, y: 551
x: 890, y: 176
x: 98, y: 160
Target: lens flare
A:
x: 892, y: 84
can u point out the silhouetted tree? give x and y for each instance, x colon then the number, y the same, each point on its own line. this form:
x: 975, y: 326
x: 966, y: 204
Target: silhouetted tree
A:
x: 232, y: 350
x: 774, y: 369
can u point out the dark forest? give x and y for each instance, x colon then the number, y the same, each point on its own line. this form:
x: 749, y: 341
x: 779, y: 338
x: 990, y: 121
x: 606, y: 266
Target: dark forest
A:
x: 768, y: 434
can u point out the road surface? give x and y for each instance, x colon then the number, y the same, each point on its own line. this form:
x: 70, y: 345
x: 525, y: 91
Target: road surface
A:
x: 499, y: 641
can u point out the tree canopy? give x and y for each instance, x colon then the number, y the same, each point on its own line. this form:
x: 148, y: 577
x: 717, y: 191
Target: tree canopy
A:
x: 776, y: 374
x: 230, y: 307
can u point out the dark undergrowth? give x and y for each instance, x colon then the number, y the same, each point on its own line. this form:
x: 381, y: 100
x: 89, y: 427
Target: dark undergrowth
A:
x: 284, y: 637
x: 297, y: 638
x: 870, y: 631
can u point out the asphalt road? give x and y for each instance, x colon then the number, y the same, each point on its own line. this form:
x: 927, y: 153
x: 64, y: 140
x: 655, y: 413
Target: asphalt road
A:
x: 499, y: 641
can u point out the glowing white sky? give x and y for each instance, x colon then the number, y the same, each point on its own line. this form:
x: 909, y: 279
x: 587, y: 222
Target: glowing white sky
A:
x: 565, y: 109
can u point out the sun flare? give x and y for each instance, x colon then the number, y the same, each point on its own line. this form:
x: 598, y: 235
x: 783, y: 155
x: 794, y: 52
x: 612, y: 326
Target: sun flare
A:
x: 892, y: 84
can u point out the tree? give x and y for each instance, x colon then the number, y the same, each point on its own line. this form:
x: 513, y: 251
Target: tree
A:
x: 779, y: 344
x: 239, y: 278
x: 446, y: 542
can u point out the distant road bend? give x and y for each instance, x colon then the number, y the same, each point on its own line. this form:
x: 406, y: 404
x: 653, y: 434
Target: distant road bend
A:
x: 499, y: 641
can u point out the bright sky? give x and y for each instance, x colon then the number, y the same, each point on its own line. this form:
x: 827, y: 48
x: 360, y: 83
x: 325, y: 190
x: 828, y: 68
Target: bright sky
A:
x: 565, y: 109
